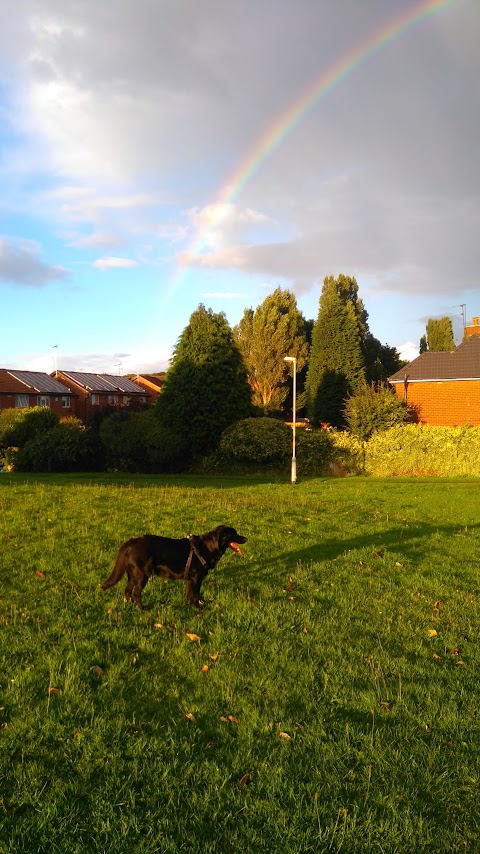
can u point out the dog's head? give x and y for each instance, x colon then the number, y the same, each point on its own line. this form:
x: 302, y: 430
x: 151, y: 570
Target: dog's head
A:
x: 227, y: 537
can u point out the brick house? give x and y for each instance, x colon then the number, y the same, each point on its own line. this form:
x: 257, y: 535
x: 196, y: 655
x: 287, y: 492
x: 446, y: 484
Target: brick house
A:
x: 444, y: 388
x: 24, y: 389
x: 97, y: 392
x: 152, y: 383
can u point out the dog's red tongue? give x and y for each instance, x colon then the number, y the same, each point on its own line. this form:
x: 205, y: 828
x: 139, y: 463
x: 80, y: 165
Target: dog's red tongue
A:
x: 236, y: 548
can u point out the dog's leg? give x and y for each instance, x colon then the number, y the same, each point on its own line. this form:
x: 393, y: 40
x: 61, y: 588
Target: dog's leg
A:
x: 129, y: 588
x: 137, y: 590
x: 192, y: 590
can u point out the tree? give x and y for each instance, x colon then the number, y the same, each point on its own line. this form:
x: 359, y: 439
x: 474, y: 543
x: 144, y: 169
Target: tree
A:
x: 336, y: 364
x: 265, y: 336
x: 381, y: 361
x: 440, y: 335
x: 206, y: 388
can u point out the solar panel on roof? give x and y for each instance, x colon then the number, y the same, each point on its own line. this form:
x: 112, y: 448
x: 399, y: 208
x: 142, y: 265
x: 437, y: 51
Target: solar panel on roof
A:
x: 92, y: 382
x: 124, y: 384
x: 39, y: 381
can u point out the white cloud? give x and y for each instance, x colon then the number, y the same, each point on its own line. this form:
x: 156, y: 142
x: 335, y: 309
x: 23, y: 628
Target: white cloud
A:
x: 111, y: 262
x: 408, y: 351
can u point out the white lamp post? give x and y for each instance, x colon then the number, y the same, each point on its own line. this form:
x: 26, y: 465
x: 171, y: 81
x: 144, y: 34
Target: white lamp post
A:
x: 294, y: 459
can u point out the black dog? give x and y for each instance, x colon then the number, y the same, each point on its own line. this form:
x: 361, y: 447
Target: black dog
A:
x: 189, y: 558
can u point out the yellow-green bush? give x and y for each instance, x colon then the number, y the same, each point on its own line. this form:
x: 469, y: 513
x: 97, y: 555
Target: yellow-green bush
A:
x: 413, y: 450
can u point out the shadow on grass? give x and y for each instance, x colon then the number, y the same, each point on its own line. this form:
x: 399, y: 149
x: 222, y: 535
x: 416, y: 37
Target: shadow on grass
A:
x: 412, y: 543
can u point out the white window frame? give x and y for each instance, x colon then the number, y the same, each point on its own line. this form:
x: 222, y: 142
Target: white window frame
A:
x: 66, y: 404
x: 95, y: 399
x: 22, y: 401
x: 113, y: 399
x: 43, y: 400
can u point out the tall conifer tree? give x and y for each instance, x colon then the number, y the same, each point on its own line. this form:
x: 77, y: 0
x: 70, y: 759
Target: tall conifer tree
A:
x: 336, y: 365
x: 206, y: 388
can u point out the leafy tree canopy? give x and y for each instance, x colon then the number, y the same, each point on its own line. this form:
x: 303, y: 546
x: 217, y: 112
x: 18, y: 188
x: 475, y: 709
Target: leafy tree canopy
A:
x: 440, y: 334
x: 265, y: 336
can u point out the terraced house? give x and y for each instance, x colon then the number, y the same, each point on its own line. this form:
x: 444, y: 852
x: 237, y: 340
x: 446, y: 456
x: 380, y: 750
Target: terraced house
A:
x: 24, y: 389
x: 97, y: 392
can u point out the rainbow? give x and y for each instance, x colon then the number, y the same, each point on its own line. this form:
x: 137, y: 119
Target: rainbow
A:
x: 267, y: 143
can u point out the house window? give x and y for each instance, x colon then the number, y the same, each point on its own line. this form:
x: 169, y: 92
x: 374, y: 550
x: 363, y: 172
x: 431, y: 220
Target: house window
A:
x: 126, y: 400
x: 95, y: 399
x: 113, y: 399
x: 21, y: 401
x: 43, y: 400
x: 65, y: 403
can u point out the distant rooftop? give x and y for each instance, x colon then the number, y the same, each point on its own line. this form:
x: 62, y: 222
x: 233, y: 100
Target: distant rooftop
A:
x: 463, y: 363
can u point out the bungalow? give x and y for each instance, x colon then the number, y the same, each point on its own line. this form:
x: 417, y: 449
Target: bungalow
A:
x: 97, y: 392
x: 23, y: 389
x: 443, y: 388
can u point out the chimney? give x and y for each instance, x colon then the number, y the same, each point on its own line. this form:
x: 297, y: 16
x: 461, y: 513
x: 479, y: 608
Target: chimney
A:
x: 475, y: 321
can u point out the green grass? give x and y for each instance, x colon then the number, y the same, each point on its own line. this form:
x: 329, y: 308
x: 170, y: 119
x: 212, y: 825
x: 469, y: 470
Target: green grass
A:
x: 331, y: 717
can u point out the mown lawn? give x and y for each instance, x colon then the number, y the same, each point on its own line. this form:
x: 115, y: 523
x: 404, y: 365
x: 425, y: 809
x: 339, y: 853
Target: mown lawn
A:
x: 327, y: 699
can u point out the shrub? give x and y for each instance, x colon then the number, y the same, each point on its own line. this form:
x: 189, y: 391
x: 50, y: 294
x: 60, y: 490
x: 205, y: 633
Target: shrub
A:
x: 137, y: 441
x: 257, y: 440
x: 370, y: 410
x: 418, y: 450
x: 18, y: 426
x: 63, y: 448
x: 315, y: 451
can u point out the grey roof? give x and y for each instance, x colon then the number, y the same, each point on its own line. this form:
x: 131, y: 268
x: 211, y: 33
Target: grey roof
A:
x: 40, y: 382
x: 463, y: 363
x: 107, y: 383
x: 124, y: 384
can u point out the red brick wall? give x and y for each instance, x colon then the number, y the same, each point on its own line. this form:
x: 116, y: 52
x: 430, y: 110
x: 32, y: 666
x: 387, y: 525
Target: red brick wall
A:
x: 7, y: 401
x: 444, y: 404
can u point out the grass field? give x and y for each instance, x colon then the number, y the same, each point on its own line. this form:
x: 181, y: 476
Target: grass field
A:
x: 327, y: 699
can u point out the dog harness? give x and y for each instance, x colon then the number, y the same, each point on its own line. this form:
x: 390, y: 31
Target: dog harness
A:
x: 193, y: 551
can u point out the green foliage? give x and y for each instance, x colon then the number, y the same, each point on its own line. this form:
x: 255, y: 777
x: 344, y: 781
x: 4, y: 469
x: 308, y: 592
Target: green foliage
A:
x: 381, y: 361
x: 369, y: 410
x: 257, y: 440
x: 336, y: 364
x: 276, y: 329
x: 206, y: 389
x: 417, y: 450
x: 314, y: 452
x: 137, y: 441
x: 63, y: 448
x: 18, y: 426
x: 440, y: 334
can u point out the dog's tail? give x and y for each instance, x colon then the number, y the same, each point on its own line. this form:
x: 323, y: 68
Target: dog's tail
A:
x: 118, y: 570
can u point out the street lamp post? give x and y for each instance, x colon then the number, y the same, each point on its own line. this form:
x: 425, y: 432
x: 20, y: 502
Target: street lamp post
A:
x: 294, y: 459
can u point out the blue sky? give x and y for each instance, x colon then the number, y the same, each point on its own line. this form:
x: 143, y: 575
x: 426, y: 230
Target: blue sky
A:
x: 122, y: 121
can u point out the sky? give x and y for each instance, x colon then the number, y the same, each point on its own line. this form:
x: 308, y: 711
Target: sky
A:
x: 158, y: 154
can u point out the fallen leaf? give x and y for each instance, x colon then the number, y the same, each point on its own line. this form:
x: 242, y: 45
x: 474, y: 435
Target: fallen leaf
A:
x: 214, y: 656
x: 436, y: 605
x: 454, y: 651
x: 39, y: 573
x: 245, y: 779
x: 98, y: 671
x: 397, y: 563
x: 386, y: 705
x: 432, y: 633
x: 376, y: 554
x: 190, y: 717
x: 209, y: 744
x: 437, y: 657
x: 53, y: 691
x: 205, y: 668
x: 459, y: 661
x: 193, y: 637
x: 233, y: 719
x: 285, y: 735
x: 158, y: 625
